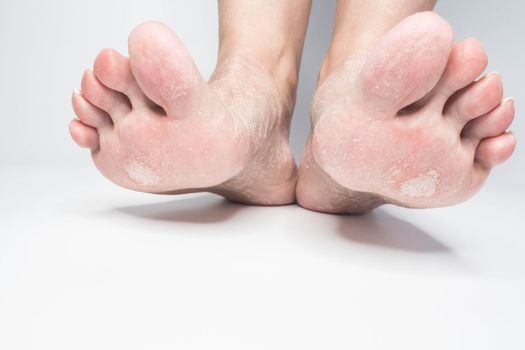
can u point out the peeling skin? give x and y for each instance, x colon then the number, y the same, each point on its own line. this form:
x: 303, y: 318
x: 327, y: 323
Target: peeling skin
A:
x: 173, y: 91
x: 423, y: 185
x: 141, y: 174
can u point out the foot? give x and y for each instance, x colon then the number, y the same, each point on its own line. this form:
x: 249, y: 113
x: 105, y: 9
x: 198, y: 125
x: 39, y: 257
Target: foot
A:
x: 154, y: 125
x: 406, y: 123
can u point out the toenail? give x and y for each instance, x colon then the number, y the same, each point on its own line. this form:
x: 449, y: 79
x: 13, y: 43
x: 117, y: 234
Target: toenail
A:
x: 493, y: 74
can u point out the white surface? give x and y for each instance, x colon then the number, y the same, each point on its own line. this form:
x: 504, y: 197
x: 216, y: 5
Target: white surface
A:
x: 85, y: 265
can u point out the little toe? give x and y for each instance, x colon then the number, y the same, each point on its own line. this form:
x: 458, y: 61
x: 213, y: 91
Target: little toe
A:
x: 112, y: 102
x: 83, y: 135
x: 495, y: 150
x: 466, y: 63
x: 89, y: 114
x: 113, y: 70
x: 492, y: 124
x: 475, y: 100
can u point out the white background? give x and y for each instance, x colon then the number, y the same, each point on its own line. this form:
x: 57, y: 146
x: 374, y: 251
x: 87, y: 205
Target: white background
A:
x: 86, y: 265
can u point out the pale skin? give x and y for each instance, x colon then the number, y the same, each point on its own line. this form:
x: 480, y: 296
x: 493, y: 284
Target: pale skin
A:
x: 154, y: 124
x: 399, y: 116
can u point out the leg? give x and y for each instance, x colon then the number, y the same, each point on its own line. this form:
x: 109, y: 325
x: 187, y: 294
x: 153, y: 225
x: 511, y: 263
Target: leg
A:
x: 398, y: 116
x: 154, y: 124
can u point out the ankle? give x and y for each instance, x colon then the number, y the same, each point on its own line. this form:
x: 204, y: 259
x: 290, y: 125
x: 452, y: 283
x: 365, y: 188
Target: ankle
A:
x: 280, y: 62
x: 270, y: 31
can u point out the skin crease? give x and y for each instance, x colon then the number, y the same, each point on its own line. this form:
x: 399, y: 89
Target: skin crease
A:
x: 397, y: 118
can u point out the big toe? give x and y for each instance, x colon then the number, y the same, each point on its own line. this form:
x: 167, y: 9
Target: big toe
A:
x: 407, y: 62
x: 163, y: 68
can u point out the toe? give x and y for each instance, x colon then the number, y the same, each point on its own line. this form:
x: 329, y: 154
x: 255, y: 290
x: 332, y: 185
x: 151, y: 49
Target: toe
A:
x: 491, y: 124
x: 113, y: 70
x: 163, y: 68
x: 495, y: 150
x: 407, y: 63
x: 475, y: 100
x: 112, y: 102
x: 83, y: 135
x: 466, y: 63
x: 88, y: 114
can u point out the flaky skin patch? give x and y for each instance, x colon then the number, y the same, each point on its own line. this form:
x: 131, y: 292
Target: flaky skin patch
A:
x: 141, y: 174
x: 423, y: 185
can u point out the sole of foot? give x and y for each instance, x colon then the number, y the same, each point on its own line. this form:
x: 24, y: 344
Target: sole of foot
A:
x: 153, y: 124
x: 408, y: 123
